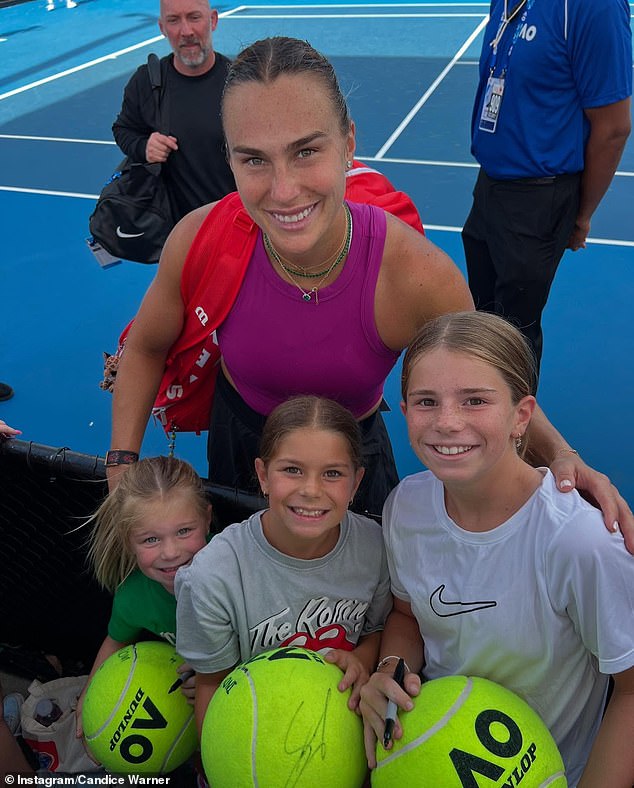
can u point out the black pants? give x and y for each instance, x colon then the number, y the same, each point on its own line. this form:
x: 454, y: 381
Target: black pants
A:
x: 513, y: 239
x: 234, y: 443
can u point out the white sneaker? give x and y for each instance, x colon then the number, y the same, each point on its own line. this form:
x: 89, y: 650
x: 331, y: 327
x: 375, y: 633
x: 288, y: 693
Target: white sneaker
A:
x: 12, y: 708
x: 71, y: 4
x: 50, y: 6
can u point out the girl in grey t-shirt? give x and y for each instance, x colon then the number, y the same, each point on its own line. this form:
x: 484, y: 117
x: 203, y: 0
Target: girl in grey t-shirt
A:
x: 304, y: 572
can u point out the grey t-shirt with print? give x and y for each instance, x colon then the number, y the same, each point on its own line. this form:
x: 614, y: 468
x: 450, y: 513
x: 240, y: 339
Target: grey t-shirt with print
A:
x: 240, y: 596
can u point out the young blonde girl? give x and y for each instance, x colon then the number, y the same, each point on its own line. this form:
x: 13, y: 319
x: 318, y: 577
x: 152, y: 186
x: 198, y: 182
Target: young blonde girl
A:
x: 494, y: 573
x: 147, y: 529
x: 305, y: 572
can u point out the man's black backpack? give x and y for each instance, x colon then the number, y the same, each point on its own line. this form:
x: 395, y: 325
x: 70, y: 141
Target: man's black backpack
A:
x: 133, y: 217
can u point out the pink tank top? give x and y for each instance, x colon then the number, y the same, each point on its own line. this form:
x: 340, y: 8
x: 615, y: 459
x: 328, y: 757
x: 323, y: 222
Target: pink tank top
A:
x: 276, y: 345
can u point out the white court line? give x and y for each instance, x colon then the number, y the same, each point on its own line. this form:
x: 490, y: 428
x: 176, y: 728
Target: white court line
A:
x: 445, y: 228
x: 385, y: 160
x: 371, y: 5
x: 359, y: 16
x: 405, y: 122
x: 224, y: 15
x: 424, y: 162
x: 236, y: 10
x: 81, y: 67
x: 48, y: 192
x: 55, y: 139
x: 438, y: 163
x: 90, y: 63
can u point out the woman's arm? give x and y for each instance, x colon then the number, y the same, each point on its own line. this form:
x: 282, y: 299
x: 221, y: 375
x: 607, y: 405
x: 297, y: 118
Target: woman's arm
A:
x: 611, y: 761
x: 401, y: 638
x: 547, y: 447
x: 156, y: 327
x: 421, y: 279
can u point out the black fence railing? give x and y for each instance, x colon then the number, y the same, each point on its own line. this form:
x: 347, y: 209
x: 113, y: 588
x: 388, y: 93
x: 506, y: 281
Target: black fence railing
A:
x: 49, y: 601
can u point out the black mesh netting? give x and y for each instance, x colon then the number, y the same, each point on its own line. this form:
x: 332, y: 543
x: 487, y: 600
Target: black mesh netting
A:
x: 49, y: 601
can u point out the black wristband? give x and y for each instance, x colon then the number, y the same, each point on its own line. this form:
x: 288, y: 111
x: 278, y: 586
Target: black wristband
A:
x: 120, y: 457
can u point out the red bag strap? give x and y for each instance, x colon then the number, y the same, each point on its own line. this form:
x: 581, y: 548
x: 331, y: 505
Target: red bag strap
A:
x: 364, y: 184
x: 220, y: 253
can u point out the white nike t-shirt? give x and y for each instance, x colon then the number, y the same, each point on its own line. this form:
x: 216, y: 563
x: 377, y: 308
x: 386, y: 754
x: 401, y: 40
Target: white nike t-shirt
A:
x: 542, y: 604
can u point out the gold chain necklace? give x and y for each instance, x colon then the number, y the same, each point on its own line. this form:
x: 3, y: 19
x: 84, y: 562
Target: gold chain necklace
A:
x: 338, y: 257
x: 307, y: 295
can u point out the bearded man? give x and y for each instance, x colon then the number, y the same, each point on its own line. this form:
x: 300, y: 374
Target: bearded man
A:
x: 192, y: 78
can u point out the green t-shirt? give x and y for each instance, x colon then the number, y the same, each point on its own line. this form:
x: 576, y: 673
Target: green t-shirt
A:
x: 142, y: 604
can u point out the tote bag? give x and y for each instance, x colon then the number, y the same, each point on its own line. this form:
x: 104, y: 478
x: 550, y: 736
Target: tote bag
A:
x: 56, y: 746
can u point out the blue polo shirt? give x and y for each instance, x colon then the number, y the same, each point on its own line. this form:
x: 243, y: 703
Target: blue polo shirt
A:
x: 558, y: 57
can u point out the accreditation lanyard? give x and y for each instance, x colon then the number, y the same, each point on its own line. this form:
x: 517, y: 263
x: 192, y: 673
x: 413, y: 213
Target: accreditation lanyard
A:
x: 495, y: 84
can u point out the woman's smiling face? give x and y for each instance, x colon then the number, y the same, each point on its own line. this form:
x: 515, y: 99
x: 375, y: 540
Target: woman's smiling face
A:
x: 288, y: 154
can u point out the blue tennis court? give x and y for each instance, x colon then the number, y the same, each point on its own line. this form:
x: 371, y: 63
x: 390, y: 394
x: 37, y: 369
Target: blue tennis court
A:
x: 409, y: 72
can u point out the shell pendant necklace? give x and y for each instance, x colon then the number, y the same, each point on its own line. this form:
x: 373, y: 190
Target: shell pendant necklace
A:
x: 307, y: 295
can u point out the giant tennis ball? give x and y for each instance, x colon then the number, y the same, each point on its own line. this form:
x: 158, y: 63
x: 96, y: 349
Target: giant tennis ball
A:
x: 468, y: 732
x: 279, y: 720
x: 132, y: 723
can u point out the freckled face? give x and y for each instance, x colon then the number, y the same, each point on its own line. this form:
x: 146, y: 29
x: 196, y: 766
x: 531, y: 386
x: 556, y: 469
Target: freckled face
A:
x: 460, y: 417
x: 288, y: 154
x: 168, y: 536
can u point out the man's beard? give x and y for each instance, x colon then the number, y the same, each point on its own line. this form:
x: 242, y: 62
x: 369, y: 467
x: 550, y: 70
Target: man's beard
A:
x: 195, y: 60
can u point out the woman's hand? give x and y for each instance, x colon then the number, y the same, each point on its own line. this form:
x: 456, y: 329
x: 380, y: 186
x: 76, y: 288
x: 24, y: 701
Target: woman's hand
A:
x: 375, y: 694
x: 571, y: 472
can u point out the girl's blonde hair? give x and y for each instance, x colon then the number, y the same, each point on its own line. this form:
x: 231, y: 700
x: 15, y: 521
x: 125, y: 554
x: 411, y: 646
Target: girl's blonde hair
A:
x: 143, y: 483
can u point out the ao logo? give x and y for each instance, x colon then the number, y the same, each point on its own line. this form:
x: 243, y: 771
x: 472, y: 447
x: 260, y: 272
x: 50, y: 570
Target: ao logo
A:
x: 135, y: 748
x: 528, y: 33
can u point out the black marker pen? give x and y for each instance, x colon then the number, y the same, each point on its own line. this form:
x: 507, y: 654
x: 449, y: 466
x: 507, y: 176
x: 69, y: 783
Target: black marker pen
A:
x: 392, y: 708
x: 181, y: 680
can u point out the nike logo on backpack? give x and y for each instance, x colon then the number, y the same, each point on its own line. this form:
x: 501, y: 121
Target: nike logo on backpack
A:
x: 121, y: 234
x: 444, y: 609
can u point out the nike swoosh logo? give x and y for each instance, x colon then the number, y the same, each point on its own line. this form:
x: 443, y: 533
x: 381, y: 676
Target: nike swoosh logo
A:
x: 444, y: 609
x: 121, y: 234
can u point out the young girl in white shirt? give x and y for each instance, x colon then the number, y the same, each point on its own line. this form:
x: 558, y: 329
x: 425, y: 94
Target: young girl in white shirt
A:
x: 494, y: 573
